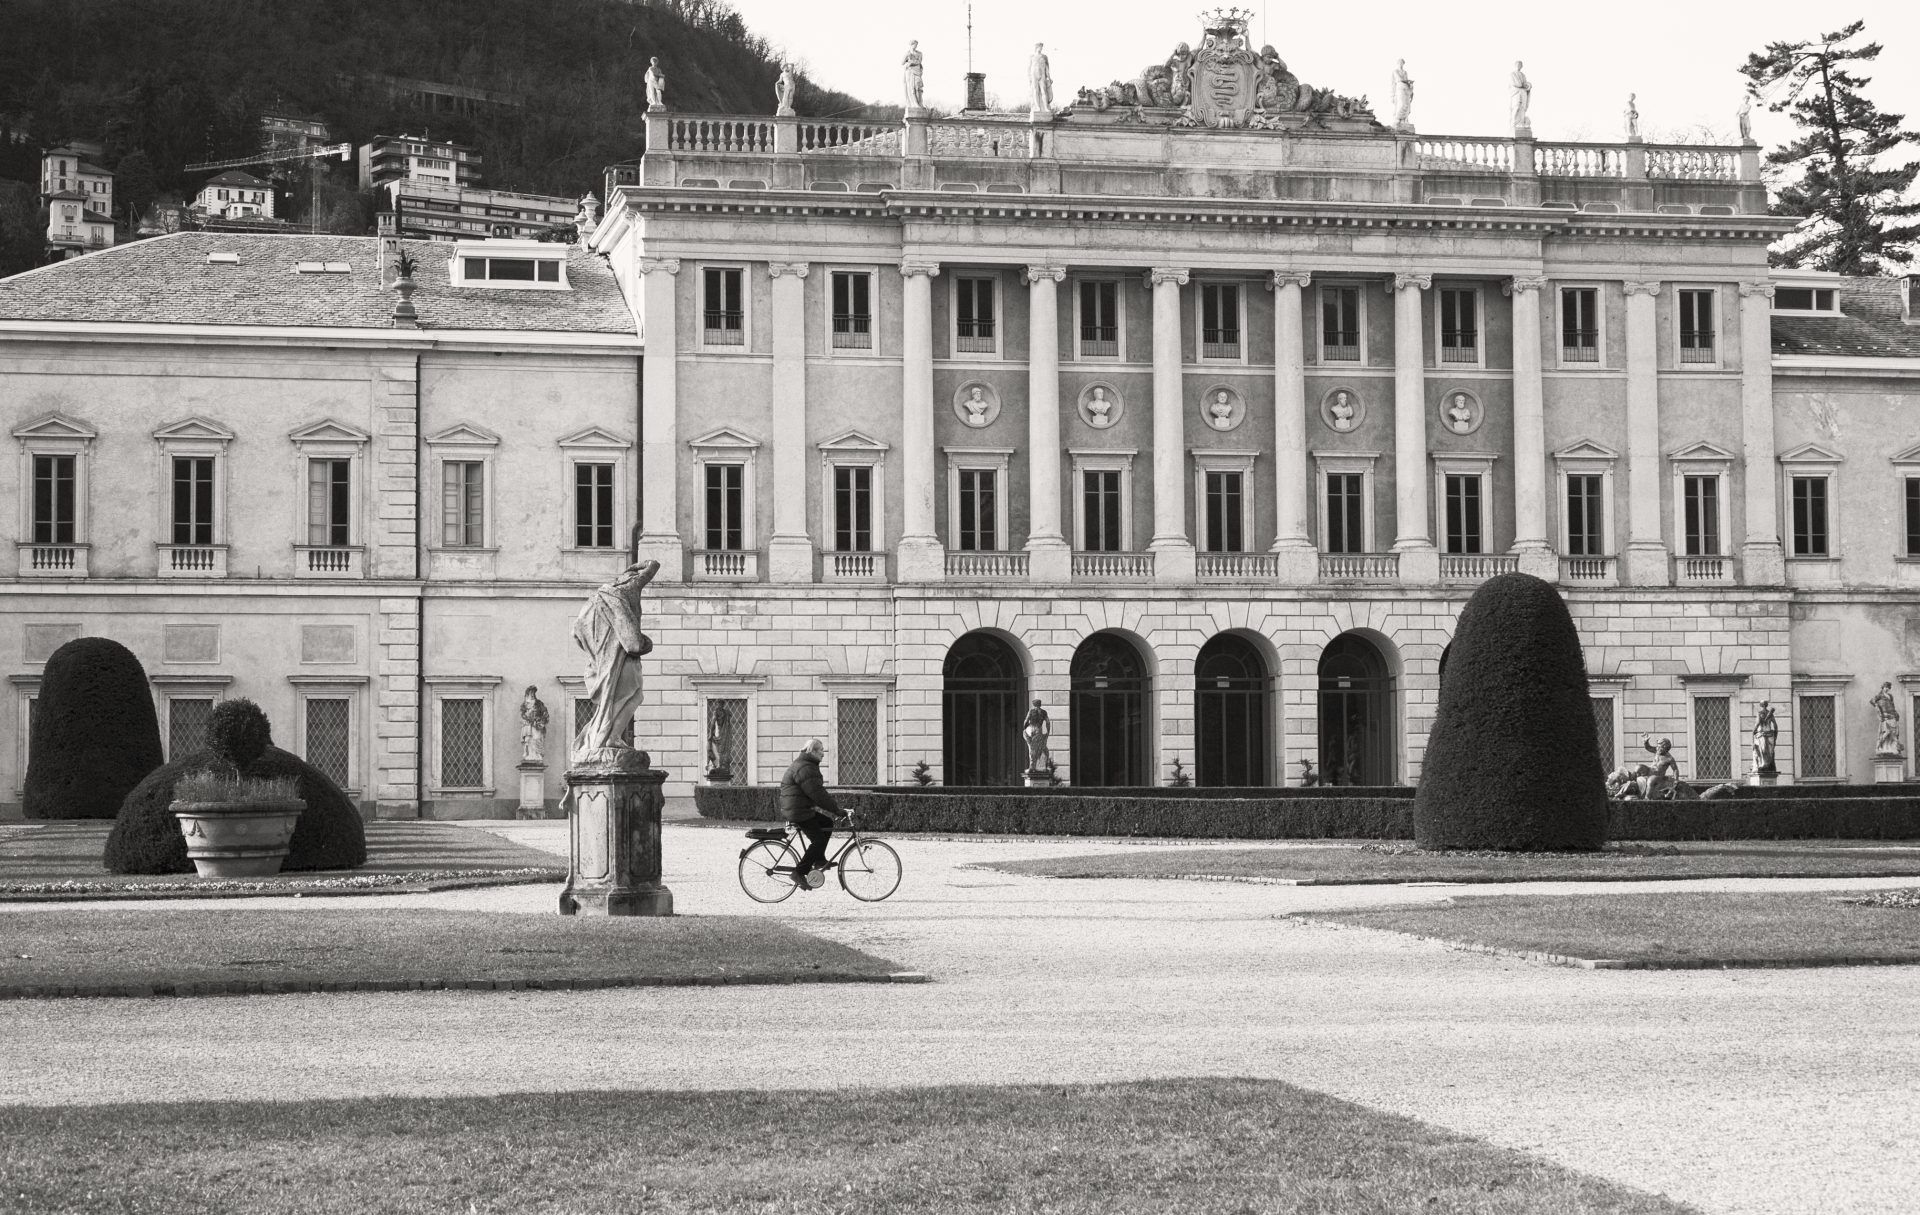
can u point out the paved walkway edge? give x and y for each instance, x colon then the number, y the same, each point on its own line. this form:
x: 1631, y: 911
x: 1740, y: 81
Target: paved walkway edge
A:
x: 263, y: 987
x: 543, y: 877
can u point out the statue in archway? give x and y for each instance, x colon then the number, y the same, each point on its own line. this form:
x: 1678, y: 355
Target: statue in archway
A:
x: 1888, y: 745
x: 1765, y: 731
x: 1036, y: 731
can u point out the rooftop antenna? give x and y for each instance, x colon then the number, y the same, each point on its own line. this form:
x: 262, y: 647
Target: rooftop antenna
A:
x: 969, y: 36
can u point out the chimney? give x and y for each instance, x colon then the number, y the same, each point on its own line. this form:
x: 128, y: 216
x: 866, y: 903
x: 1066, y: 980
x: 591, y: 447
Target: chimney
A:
x: 976, y: 90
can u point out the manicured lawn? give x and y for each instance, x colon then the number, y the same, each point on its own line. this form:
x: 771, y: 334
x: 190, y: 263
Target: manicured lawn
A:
x: 1348, y: 864
x: 1188, y: 1146
x: 1669, y: 930
x: 299, y: 950
x: 62, y: 860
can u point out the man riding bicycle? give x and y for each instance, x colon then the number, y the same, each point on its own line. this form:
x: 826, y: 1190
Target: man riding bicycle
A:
x: 805, y: 802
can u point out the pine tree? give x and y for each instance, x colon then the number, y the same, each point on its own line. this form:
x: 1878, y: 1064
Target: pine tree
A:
x: 1859, y: 220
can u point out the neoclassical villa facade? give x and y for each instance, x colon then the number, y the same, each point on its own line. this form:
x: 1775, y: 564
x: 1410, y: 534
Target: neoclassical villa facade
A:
x: 1197, y: 422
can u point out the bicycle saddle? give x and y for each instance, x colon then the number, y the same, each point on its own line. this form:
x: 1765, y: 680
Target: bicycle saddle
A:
x: 767, y: 833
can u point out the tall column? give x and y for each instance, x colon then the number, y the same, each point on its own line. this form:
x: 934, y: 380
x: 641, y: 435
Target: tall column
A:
x: 1648, y: 563
x: 1762, y: 561
x: 1050, y: 557
x: 660, y: 422
x: 1413, y: 541
x: 1173, y: 555
x: 922, y: 557
x: 790, y: 549
x: 1531, y: 543
x: 1299, y: 563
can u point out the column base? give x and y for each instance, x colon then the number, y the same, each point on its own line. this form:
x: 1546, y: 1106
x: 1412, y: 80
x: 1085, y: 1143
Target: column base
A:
x: 789, y: 559
x: 1763, y: 564
x: 1299, y: 562
x: 669, y: 551
x: 1419, y: 563
x: 921, y: 559
x: 1174, y: 560
x: 1049, y: 559
x: 1537, y: 559
x: 1649, y: 564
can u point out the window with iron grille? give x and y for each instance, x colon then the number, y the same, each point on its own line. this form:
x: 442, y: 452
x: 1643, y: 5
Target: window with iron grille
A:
x: 726, y: 507
x: 1340, y: 323
x: 1099, y: 319
x: 1696, y: 327
x: 1810, y: 538
x: 1219, y: 320
x: 1463, y: 513
x: 1100, y: 518
x: 1346, y: 518
x: 1585, y: 517
x: 1459, y: 325
x: 463, y: 503
x: 1223, y: 512
x: 727, y: 741
x: 1579, y: 325
x: 593, y: 505
x: 1819, y: 751
x: 1712, y: 738
x: 722, y: 314
x: 329, y: 492
x: 973, y: 313
x: 187, y: 718
x: 54, y: 501
x: 852, y: 310
x: 978, y: 528
x: 852, y: 508
x: 858, y: 733
x: 463, y: 739
x: 1913, y: 516
x: 328, y: 736
x: 1701, y: 496
x: 1603, y: 730
x: 193, y: 499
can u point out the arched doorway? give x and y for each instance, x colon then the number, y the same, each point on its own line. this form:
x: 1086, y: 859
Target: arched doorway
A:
x: 1110, y: 691
x: 1357, y: 728
x: 981, y: 706
x: 1231, y: 714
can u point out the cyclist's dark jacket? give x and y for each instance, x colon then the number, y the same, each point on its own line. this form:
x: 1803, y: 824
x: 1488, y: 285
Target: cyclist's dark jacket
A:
x: 802, y: 791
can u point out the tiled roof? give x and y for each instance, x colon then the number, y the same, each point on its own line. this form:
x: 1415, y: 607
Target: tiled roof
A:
x: 1870, y: 327
x: 168, y: 281
x: 234, y: 177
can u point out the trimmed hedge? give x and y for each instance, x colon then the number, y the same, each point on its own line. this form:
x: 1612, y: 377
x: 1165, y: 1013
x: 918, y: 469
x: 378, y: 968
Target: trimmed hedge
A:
x: 95, y: 734
x: 1189, y: 791
x: 1769, y: 818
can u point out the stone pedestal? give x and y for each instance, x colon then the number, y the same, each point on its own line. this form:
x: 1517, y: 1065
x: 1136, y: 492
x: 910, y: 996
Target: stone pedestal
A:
x: 1764, y: 779
x: 1889, y: 769
x: 614, y: 828
x: 533, y: 788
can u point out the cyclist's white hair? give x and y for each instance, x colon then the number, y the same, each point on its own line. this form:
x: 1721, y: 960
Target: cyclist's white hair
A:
x: 814, y: 744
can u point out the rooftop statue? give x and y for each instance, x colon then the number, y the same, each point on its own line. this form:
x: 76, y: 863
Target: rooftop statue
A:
x: 1745, y: 117
x: 1632, y: 116
x: 913, y: 77
x: 656, y: 85
x: 1402, y: 97
x: 1040, y: 80
x: 1521, y: 99
x: 783, y: 90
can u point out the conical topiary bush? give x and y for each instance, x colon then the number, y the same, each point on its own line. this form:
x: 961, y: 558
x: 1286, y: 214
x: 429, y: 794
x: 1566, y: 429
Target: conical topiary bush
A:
x: 94, y: 732
x: 1513, y: 762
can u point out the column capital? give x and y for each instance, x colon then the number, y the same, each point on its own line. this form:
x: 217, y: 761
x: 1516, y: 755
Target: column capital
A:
x: 1176, y: 275
x: 1520, y: 284
x: 913, y: 267
x: 1639, y: 287
x: 1055, y: 273
x: 1277, y: 279
x: 1419, y: 282
x: 650, y: 264
x: 782, y: 269
x: 1759, y: 287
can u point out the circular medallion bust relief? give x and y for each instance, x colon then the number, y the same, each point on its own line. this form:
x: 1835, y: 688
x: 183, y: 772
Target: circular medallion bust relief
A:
x: 1461, y: 412
x: 976, y: 404
x: 1342, y: 410
x: 1222, y: 408
x: 1100, y: 405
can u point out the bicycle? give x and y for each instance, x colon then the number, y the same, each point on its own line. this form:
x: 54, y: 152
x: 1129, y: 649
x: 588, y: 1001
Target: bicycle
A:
x: 869, y: 869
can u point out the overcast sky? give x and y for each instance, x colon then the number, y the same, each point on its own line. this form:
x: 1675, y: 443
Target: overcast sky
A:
x: 1680, y: 56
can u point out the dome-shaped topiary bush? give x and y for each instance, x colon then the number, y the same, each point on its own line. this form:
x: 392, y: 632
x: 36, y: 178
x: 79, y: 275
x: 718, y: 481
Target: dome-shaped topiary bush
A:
x: 1513, y: 761
x: 94, y: 733
x: 238, y: 732
x: 146, y: 837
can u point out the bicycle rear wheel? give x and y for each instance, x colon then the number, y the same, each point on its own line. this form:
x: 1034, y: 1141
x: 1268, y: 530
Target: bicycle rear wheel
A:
x: 766, y: 871
x: 869, y: 870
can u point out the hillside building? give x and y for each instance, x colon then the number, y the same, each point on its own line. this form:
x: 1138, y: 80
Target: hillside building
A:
x: 391, y: 158
x: 424, y: 210
x: 79, y: 199
x: 235, y: 195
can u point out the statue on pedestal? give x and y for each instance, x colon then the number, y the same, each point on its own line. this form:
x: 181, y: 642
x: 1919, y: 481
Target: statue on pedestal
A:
x: 1745, y: 117
x: 1765, y: 730
x: 1036, y: 730
x: 1888, y: 745
x: 656, y: 85
x: 1521, y: 99
x: 1040, y: 82
x: 1402, y: 98
x: 1632, y: 116
x: 533, y: 727
x: 608, y: 631
x: 783, y: 90
x: 913, y: 77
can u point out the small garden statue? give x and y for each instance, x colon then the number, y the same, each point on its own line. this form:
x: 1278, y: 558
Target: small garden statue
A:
x: 533, y: 726
x: 922, y: 774
x: 1888, y: 745
x: 1765, y: 730
x: 1036, y: 731
x: 1663, y: 774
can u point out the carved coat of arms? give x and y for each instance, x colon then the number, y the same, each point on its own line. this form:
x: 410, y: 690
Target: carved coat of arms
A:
x: 1225, y: 79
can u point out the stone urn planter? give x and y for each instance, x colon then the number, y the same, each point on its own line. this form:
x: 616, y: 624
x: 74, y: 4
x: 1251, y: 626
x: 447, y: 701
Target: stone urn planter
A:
x: 237, y: 827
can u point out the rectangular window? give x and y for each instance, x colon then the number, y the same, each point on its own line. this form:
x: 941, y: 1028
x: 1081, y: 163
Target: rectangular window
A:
x: 1712, y: 738
x: 1603, y: 730
x: 1579, y: 325
x: 193, y: 499
x: 1345, y: 513
x: 463, y: 739
x: 859, y: 738
x: 1696, y: 327
x: 852, y: 310
x: 1818, y: 749
x: 1099, y: 320
x: 1702, y: 510
x: 1913, y: 516
x: 593, y: 505
x: 728, y: 758
x: 328, y: 495
x: 723, y: 315
x: 1585, y: 516
x: 53, y: 499
x: 1810, y: 536
x: 1459, y: 325
x: 853, y: 509
x: 1223, y: 512
x: 1340, y: 324
x: 509, y: 270
x: 979, y: 530
x: 1101, y: 513
x: 1219, y: 320
x: 1463, y: 513
x: 1803, y: 299
x: 463, y: 504
x: 973, y: 315
x: 726, y: 507
x: 187, y: 718
x: 328, y: 734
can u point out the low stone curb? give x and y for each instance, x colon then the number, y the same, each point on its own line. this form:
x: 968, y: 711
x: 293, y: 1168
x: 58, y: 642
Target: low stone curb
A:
x: 140, y: 894
x: 270, y: 987
x: 1251, y: 880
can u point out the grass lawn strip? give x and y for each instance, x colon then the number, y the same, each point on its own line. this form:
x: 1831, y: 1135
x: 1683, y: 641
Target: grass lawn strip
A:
x: 1191, y: 1146
x: 1383, y: 864
x: 205, y: 952
x: 1664, y: 931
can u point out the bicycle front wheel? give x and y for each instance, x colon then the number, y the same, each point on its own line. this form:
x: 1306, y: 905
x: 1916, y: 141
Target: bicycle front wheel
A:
x: 766, y: 871
x: 869, y: 870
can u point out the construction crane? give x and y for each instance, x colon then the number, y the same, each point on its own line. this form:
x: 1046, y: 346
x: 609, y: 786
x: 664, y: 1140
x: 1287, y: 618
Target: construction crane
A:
x: 281, y: 157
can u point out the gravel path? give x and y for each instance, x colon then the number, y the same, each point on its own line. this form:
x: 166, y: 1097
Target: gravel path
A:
x: 1740, y: 1091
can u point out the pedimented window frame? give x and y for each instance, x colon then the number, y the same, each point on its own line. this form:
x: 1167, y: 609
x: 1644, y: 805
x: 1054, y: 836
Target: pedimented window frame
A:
x: 57, y: 434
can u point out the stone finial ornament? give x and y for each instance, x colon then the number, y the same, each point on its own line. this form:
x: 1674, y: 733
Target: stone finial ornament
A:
x: 1521, y: 98
x: 656, y: 85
